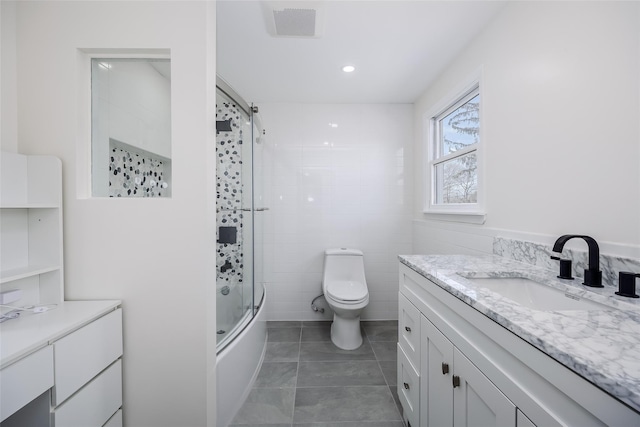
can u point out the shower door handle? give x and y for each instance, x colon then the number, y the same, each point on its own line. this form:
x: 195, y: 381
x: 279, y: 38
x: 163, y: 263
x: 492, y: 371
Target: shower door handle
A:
x: 261, y: 209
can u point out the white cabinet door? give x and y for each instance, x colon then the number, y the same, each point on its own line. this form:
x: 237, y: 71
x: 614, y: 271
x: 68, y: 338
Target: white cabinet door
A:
x: 477, y: 401
x: 409, y: 330
x: 437, y: 370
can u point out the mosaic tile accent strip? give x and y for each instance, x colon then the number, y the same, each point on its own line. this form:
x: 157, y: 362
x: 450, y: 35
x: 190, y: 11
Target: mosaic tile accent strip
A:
x: 540, y: 256
x: 229, y: 194
x: 133, y: 174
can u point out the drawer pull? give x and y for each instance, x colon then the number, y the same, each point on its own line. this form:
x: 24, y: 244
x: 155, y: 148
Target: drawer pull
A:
x: 445, y: 368
x: 406, y: 386
x: 408, y: 329
x: 456, y: 381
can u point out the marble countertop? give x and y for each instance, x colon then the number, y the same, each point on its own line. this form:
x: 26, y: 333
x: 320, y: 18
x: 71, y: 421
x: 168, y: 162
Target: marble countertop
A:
x: 602, y: 346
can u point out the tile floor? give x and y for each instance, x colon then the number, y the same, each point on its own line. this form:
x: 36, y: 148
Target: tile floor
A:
x: 307, y: 381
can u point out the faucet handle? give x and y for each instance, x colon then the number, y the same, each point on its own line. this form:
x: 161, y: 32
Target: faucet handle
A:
x: 627, y: 284
x: 565, y: 268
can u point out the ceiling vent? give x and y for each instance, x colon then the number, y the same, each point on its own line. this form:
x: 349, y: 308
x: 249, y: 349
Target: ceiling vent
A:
x: 295, y: 18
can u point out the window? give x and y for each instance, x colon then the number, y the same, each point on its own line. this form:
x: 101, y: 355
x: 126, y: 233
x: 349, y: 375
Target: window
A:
x: 131, y: 127
x: 453, y: 139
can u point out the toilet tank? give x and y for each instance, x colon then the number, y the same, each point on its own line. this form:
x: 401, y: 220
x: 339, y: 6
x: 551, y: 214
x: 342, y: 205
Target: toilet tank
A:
x: 343, y: 264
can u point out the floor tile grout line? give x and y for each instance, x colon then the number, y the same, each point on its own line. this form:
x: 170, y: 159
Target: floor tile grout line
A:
x: 295, y: 390
x: 344, y: 386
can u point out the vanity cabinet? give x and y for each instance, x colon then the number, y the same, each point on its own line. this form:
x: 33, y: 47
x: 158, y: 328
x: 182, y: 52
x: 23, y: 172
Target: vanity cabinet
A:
x: 73, y: 378
x: 438, y: 385
x: 473, y: 371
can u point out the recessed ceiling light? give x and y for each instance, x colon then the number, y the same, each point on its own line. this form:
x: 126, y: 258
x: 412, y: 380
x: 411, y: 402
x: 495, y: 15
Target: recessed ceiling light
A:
x: 348, y: 68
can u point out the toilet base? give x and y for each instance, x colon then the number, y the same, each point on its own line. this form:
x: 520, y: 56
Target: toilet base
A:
x: 346, y: 333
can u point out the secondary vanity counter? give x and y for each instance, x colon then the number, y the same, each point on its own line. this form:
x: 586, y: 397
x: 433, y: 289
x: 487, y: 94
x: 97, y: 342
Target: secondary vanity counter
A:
x: 600, y: 343
x: 31, y: 331
x: 63, y: 366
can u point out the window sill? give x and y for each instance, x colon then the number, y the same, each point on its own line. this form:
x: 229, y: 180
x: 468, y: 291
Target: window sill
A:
x: 466, y: 217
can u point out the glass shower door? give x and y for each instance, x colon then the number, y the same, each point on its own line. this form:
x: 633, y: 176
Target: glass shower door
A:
x: 234, y: 218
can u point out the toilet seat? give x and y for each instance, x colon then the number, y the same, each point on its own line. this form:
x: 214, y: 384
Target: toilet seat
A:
x: 347, y: 291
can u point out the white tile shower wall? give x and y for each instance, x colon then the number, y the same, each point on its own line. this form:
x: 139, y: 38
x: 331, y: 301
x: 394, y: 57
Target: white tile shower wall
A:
x: 337, y: 175
x: 138, y: 101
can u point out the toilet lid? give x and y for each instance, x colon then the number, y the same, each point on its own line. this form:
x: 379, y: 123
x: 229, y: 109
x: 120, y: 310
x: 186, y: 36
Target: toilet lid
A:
x: 347, y: 290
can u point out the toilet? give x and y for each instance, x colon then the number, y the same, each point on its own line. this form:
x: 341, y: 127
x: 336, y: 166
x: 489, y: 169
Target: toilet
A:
x: 345, y: 290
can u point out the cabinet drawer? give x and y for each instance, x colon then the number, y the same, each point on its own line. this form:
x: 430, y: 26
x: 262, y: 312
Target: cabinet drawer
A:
x: 409, y: 330
x: 408, y: 388
x: 81, y: 355
x: 25, y: 380
x: 96, y: 403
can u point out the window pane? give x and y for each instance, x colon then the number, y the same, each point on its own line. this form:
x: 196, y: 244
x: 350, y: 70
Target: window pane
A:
x: 461, y: 127
x: 131, y: 127
x: 456, y: 180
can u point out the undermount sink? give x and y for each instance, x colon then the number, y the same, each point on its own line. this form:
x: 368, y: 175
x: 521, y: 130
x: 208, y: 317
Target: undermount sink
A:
x: 535, y: 295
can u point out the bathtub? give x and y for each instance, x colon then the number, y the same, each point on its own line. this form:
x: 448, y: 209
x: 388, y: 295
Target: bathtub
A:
x: 238, y: 364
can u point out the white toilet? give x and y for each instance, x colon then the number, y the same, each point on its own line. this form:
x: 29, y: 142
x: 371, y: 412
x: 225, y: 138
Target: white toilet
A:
x: 345, y: 290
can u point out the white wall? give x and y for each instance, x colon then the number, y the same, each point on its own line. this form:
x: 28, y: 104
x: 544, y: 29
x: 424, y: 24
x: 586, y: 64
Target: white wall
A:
x: 8, y: 94
x: 561, y: 127
x: 156, y: 255
x: 335, y: 187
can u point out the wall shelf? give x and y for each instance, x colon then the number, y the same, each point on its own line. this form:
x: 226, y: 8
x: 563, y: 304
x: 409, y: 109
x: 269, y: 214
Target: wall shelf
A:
x: 15, y: 274
x: 31, y: 228
x: 30, y: 206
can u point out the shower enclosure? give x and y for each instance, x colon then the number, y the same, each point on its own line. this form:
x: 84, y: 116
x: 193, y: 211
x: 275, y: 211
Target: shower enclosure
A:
x: 239, y: 283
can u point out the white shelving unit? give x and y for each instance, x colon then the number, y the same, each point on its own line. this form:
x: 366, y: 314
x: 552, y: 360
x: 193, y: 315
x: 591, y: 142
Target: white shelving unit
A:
x: 31, y: 228
x: 62, y: 367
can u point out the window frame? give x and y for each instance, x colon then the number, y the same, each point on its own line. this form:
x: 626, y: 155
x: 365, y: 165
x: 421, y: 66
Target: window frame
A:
x: 460, y: 212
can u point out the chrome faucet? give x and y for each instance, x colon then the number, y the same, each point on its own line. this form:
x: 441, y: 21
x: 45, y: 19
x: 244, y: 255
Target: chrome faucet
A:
x: 592, y: 275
